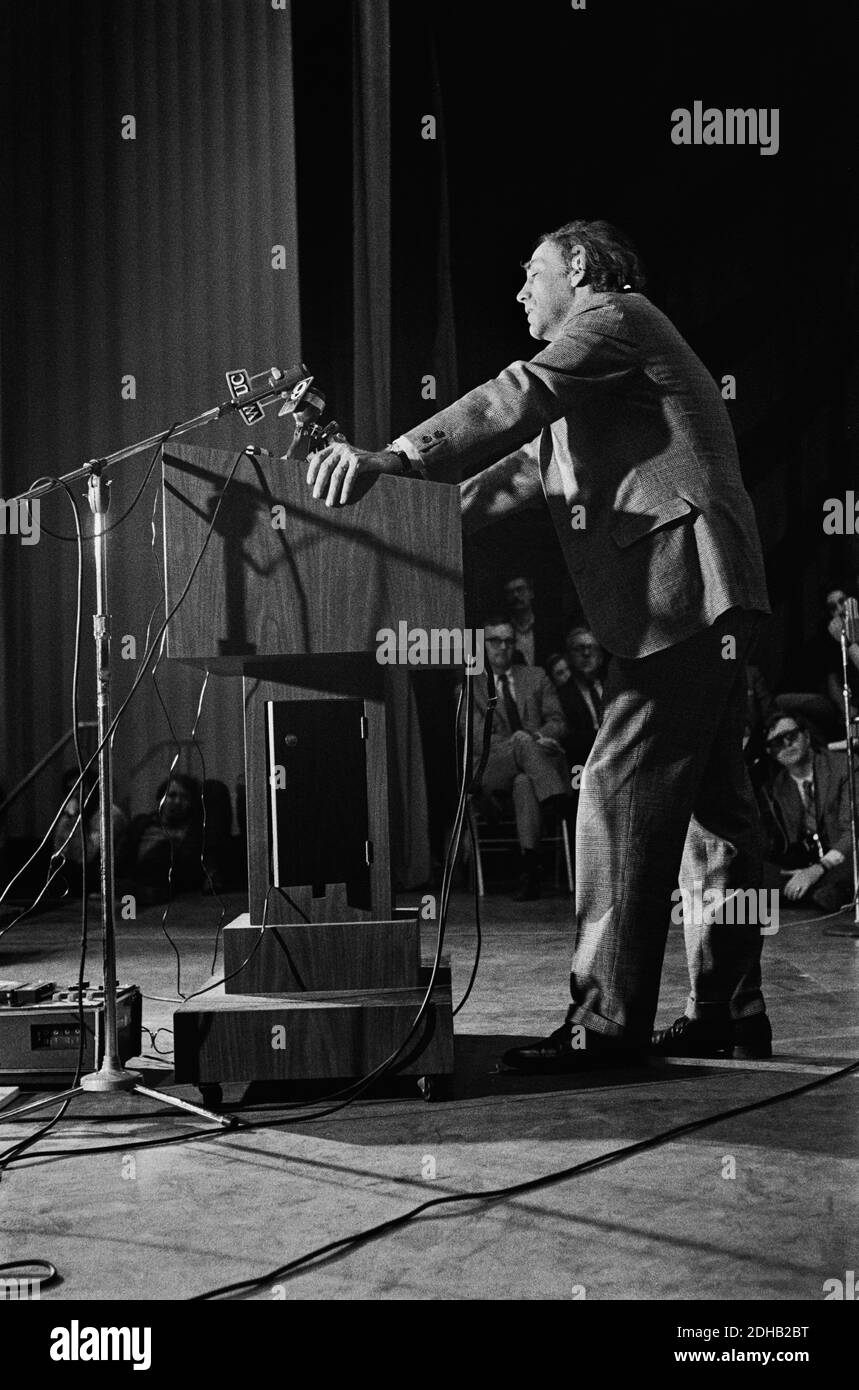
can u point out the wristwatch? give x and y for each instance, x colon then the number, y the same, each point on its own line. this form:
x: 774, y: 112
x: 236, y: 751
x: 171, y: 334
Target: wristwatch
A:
x: 407, y: 468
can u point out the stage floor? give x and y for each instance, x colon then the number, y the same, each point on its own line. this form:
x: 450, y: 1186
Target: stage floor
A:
x: 762, y: 1206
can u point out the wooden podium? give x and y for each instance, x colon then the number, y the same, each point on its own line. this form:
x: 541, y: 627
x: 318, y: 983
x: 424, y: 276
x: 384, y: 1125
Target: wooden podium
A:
x: 291, y: 595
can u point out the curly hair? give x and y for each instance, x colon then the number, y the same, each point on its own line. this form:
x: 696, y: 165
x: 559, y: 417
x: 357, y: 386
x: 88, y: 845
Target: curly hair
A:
x: 611, y: 260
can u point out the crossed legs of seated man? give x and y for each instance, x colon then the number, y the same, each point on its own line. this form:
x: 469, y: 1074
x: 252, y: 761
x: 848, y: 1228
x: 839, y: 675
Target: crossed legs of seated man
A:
x: 665, y: 800
x: 534, y: 777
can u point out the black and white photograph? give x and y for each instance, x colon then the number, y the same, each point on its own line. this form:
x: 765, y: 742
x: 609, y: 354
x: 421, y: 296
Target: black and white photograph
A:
x: 429, y: 672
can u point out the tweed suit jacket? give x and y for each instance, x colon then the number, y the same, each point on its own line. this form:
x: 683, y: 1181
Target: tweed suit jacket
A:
x: 783, y: 814
x: 536, y: 700
x: 617, y: 417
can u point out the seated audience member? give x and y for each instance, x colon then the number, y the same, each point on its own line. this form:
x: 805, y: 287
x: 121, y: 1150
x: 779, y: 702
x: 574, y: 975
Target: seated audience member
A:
x: 81, y: 870
x: 823, y: 708
x: 526, y: 756
x: 579, y: 717
x: 578, y: 677
x: 534, y: 636
x: 805, y: 810
x: 166, y: 853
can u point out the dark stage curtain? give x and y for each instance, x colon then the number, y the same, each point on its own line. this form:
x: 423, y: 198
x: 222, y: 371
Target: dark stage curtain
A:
x: 371, y: 328
x: 371, y: 205
x: 148, y: 258
x: 135, y: 272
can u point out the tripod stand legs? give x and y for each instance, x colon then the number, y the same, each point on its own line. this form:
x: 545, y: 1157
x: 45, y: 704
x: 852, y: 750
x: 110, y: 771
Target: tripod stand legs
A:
x: 125, y: 1081
x: 225, y: 1121
x: 56, y: 1099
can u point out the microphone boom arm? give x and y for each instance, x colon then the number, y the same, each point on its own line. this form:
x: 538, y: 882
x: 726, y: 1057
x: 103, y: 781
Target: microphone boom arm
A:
x: 279, y: 384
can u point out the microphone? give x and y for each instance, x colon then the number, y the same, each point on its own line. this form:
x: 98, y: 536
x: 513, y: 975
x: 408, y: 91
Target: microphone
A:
x: 306, y: 406
x: 304, y: 403
x: 251, y: 399
x: 851, y: 620
x: 290, y: 378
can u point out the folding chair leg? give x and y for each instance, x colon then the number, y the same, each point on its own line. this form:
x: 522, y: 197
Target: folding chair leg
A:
x: 565, y: 833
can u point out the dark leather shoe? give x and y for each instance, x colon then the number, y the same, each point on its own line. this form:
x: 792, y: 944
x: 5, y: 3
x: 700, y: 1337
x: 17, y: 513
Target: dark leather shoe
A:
x: 691, y: 1037
x: 747, y: 1039
x: 753, y: 1038
x: 570, y: 1048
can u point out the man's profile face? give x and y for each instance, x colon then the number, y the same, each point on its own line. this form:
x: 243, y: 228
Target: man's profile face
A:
x: 583, y: 654
x: 519, y: 595
x: 547, y: 295
x: 499, y: 644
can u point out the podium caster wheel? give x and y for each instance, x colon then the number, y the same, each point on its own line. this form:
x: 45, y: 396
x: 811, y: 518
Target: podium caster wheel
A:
x: 434, y: 1088
x: 213, y: 1096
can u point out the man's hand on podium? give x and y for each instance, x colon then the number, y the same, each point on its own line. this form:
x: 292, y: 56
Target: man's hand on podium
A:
x: 332, y: 471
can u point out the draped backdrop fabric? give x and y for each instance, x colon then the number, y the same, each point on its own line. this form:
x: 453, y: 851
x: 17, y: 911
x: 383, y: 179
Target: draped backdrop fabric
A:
x: 150, y: 158
x: 371, y: 203
x: 150, y: 244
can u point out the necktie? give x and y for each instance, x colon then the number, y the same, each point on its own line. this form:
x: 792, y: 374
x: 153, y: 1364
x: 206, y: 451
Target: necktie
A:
x: 510, y: 705
x: 596, y: 699
x: 807, y: 788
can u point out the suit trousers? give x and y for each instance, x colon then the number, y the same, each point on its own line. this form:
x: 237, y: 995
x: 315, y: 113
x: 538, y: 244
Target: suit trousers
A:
x: 533, y: 775
x: 666, y: 804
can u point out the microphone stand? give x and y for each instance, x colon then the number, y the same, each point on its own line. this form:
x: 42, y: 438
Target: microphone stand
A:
x: 112, y: 1076
x: 848, y: 635
x: 295, y: 385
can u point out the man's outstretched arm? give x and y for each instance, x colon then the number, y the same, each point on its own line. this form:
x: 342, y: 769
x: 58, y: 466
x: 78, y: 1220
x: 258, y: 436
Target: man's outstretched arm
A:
x: 501, y: 415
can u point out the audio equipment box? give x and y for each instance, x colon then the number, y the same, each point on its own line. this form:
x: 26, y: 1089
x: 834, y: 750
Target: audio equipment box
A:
x: 40, y: 1030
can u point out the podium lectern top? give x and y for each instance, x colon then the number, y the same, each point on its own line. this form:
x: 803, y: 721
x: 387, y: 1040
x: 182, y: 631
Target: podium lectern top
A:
x: 286, y: 577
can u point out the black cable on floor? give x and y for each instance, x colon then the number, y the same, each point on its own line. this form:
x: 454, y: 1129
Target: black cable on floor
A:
x: 346, y: 1244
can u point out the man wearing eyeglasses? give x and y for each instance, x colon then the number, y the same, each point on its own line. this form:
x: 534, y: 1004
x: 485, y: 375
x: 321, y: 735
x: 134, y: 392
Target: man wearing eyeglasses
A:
x: 806, y: 815
x: 621, y: 432
x: 578, y: 678
x: 585, y: 657
x: 526, y: 754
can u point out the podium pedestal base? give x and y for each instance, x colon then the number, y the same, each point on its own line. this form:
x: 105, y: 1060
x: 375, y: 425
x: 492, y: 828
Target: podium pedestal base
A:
x: 313, y: 1036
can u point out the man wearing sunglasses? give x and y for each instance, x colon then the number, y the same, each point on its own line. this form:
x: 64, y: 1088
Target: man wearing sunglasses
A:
x: 621, y: 432
x: 806, y: 814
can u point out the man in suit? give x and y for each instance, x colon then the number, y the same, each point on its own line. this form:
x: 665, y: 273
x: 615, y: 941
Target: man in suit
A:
x: 579, y: 680
x: 806, y: 807
x: 525, y: 753
x: 535, y: 638
x: 586, y: 686
x: 621, y: 430
x: 578, y: 714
